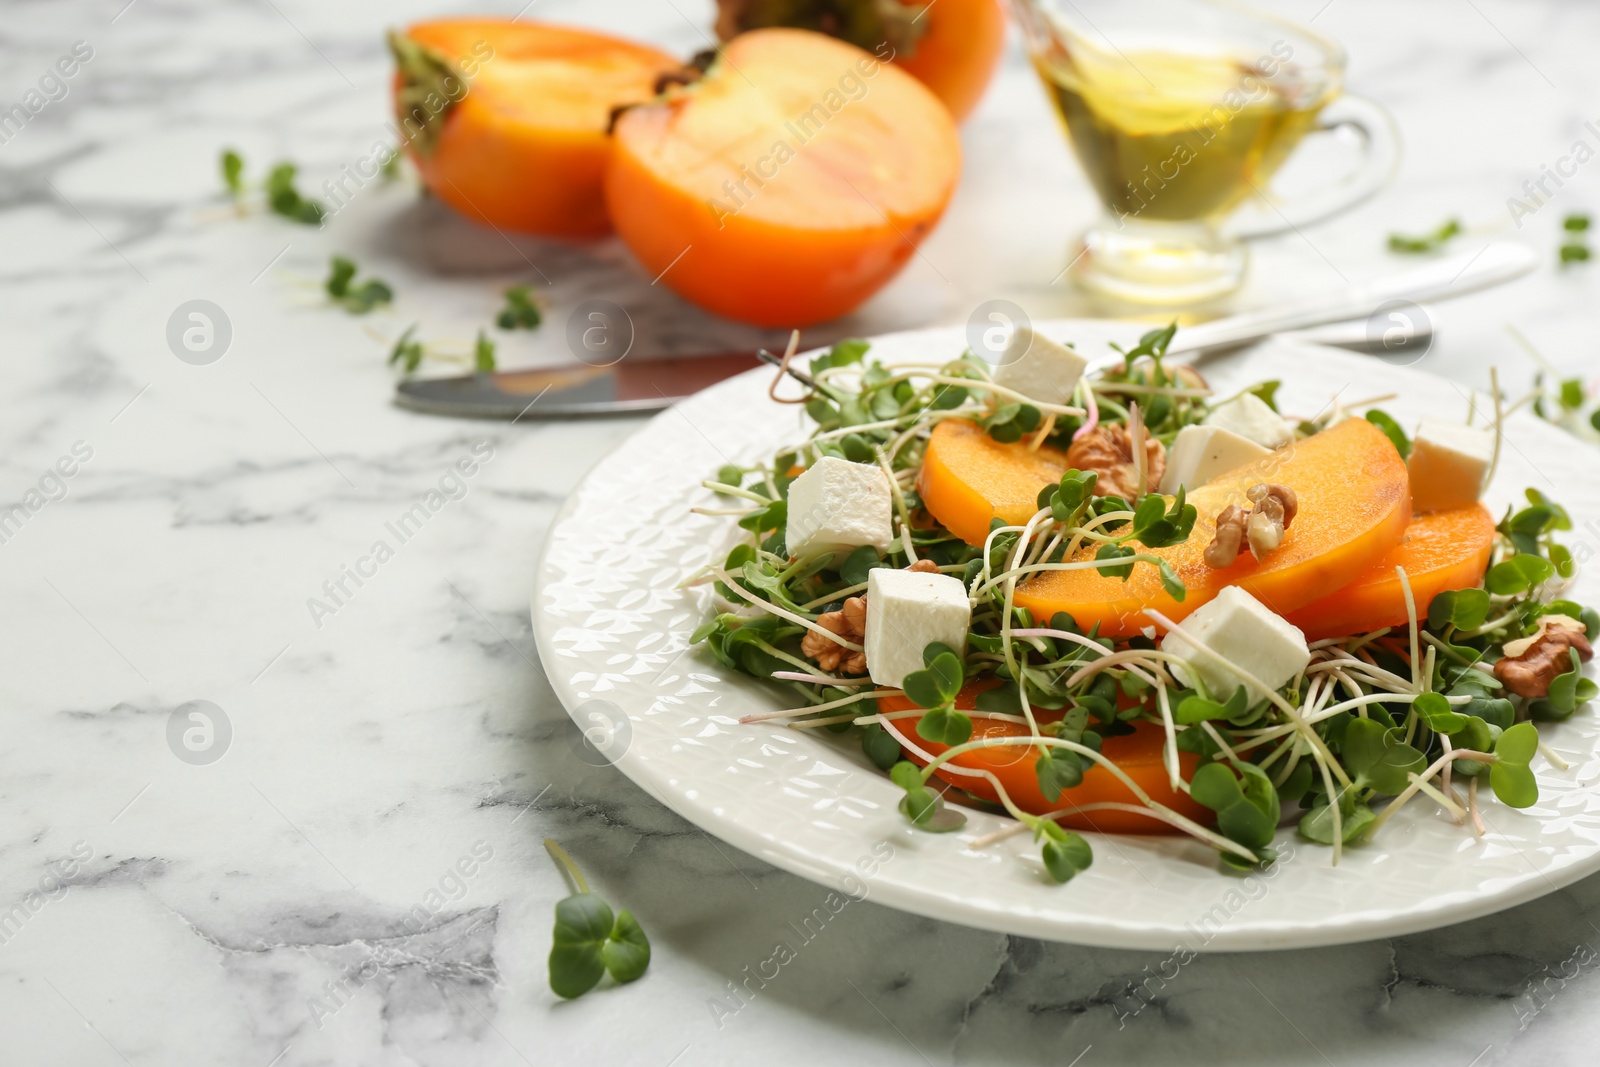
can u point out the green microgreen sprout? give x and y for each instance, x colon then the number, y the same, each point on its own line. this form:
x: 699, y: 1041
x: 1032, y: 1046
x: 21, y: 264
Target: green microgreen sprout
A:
x: 483, y: 360
x: 232, y: 167
x: 1244, y: 799
x: 935, y: 687
x: 284, y: 199
x: 408, y: 352
x: 925, y: 808
x: 588, y: 940
x: 1065, y: 853
x: 282, y: 196
x: 356, y: 299
x: 1567, y: 402
x: 1392, y: 430
x: 520, y: 312
x: 1575, y: 240
x: 1513, y: 782
x: 1428, y: 242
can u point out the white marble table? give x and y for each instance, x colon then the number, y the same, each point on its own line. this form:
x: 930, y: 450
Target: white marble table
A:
x: 252, y: 911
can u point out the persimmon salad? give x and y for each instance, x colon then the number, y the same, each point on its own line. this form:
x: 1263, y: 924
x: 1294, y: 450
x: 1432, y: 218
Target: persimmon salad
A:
x: 1099, y: 596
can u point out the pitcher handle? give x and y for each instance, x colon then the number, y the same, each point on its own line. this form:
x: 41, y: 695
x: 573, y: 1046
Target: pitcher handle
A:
x: 1266, y: 215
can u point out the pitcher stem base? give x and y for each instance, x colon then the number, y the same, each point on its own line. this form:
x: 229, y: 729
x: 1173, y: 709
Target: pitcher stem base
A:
x: 1159, y: 264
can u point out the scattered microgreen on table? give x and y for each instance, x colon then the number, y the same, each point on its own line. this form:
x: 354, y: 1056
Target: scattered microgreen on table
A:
x: 483, y: 360
x: 283, y: 198
x: 589, y: 941
x: 1574, y: 239
x: 408, y: 352
x: 1428, y: 242
x: 520, y: 312
x: 342, y: 289
x: 233, y: 172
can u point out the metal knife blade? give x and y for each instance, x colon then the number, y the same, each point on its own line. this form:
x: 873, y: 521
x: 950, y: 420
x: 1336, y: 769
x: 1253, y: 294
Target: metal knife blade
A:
x: 572, y: 390
x: 651, y: 384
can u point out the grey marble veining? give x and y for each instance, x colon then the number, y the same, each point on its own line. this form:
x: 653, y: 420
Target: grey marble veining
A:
x: 304, y: 899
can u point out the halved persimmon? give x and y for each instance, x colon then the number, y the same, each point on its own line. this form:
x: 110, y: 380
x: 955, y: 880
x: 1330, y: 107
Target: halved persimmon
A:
x: 1138, y: 754
x: 788, y: 184
x: 1354, y: 505
x: 968, y: 478
x: 506, y: 120
x: 951, y: 46
x: 1439, y: 551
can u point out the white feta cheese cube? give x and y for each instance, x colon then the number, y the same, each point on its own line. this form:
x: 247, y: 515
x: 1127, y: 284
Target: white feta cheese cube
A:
x: 1239, y: 628
x: 1449, y: 462
x: 1201, y: 453
x: 1039, y: 368
x: 907, y: 611
x: 1249, y: 416
x: 838, y: 505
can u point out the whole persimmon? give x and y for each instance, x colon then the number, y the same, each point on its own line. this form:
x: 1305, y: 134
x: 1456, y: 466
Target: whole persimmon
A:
x: 951, y: 46
x: 507, y: 121
x: 788, y: 184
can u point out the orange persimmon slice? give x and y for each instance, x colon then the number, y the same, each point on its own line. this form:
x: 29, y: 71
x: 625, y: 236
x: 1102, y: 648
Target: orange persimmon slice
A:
x: 969, y: 478
x: 1138, y: 754
x: 519, y: 139
x: 1354, y: 505
x: 1440, y: 551
x: 788, y: 184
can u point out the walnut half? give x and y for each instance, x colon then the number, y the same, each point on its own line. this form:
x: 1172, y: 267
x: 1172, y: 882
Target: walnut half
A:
x: 1261, y: 526
x: 1224, y: 547
x: 1531, y: 663
x: 850, y: 623
x: 1275, y: 507
x: 1108, y: 451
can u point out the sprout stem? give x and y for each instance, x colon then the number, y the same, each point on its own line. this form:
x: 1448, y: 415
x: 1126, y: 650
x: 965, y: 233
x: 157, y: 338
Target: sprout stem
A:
x: 559, y: 854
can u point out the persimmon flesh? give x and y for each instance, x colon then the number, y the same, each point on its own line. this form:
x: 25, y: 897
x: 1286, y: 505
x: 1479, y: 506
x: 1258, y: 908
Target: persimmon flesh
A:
x: 1138, y: 755
x: 786, y: 186
x: 1439, y: 551
x: 523, y: 145
x: 968, y: 478
x: 1354, y: 505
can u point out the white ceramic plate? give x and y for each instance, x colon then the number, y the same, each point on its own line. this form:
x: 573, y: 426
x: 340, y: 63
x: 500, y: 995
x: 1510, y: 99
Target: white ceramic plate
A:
x: 613, y: 631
